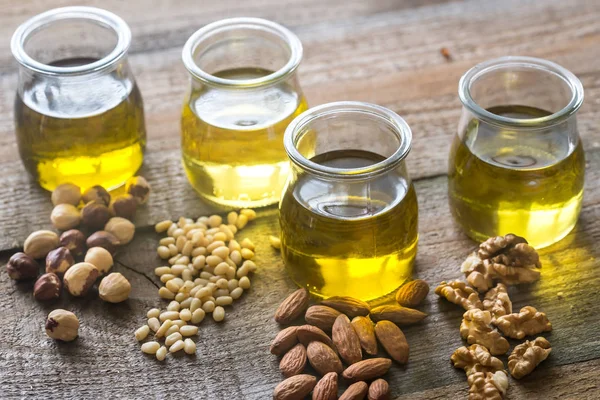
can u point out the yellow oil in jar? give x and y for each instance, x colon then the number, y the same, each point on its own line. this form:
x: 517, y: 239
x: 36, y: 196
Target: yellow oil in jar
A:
x: 73, y: 136
x: 532, y: 188
x: 349, y: 245
x: 232, y: 140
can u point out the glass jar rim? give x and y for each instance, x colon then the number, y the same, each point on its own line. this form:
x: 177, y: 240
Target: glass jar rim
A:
x: 290, y: 38
x: 393, y: 120
x: 533, y: 63
x: 92, y: 14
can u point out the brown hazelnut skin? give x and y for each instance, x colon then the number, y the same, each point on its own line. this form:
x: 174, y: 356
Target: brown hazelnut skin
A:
x: 47, y: 287
x: 95, y: 215
x: 103, y: 239
x: 59, y: 260
x: 22, y: 267
x: 97, y: 194
x: 74, y: 240
x: 138, y: 187
x: 124, y: 206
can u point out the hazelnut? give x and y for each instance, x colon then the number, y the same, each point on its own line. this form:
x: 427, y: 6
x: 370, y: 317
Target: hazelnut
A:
x: 59, y: 260
x: 122, y: 228
x: 124, y: 206
x: 103, y: 239
x: 65, y: 216
x: 39, y: 243
x: 66, y: 193
x: 62, y: 325
x: 99, y: 258
x: 21, y: 267
x: 97, y: 194
x: 138, y: 187
x: 74, y: 240
x: 79, y: 278
x: 47, y: 287
x: 95, y: 215
x: 114, y: 288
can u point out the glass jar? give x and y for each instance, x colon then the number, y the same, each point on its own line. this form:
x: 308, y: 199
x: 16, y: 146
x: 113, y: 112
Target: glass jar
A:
x: 244, y: 92
x: 517, y: 164
x: 78, y: 113
x: 348, y: 214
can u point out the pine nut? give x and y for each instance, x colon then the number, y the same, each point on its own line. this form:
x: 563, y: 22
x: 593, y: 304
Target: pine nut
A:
x: 179, y: 243
x: 247, y: 254
x: 219, y: 313
x: 174, y: 328
x: 194, y: 305
x: 175, y: 347
x: 244, y: 283
x: 153, y: 313
x: 154, y: 323
x: 221, y: 269
x: 222, y: 283
x: 150, y: 347
x: 213, y: 261
x: 214, y: 220
x: 172, y: 286
x: 187, y: 303
x: 234, y: 245
x: 236, y: 293
x: 162, y: 226
x: 230, y: 274
x: 178, y: 232
x: 173, y: 259
x: 247, y: 244
x: 231, y: 218
x: 172, y: 315
x: 188, y: 330
x: 275, y: 242
x: 189, y: 346
x: 214, y: 279
x: 163, y: 328
x: 181, y: 297
x: 187, y: 275
x: 250, y: 214
x: 242, y: 271
x: 205, y: 291
x: 160, y: 271
x: 233, y: 228
x: 172, y: 338
x: 215, y: 245
x: 224, y: 300
x: 185, y: 314
x: 177, y: 269
x: 173, y: 250
x: 171, y: 229
x: 165, y: 293
x: 236, y: 257
x: 179, y: 323
x: 206, y: 275
x: 187, y: 286
x: 166, y: 241
x: 199, y: 251
x: 221, y: 292
x: 209, y: 306
x: 166, y: 277
x: 198, y: 315
x: 232, y: 284
x: 220, y: 236
x: 178, y: 281
x: 163, y: 252
x: 187, y: 249
x: 181, y: 222
x: 161, y: 353
x: 251, y: 265
x: 228, y: 233
x: 201, y: 282
x: 241, y: 221
x: 142, y: 332
x: 173, y: 306
x: 183, y: 260
x: 202, y: 220
x: 221, y: 251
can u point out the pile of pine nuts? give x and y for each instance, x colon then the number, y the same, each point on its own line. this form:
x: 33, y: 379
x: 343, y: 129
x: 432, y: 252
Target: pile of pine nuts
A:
x: 208, y: 270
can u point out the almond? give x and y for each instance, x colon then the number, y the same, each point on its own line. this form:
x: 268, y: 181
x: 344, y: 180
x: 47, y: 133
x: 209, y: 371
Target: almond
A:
x: 356, y: 391
x: 365, y: 331
x: 412, y: 293
x: 309, y: 333
x: 348, y: 305
x: 321, y: 316
x: 346, y: 340
x: 397, y: 314
x: 292, y: 307
x: 379, y: 390
x: 294, y: 361
x: 393, y: 341
x: 326, y: 388
x: 367, y: 369
x: 323, y: 359
x: 285, y: 340
x: 295, y: 388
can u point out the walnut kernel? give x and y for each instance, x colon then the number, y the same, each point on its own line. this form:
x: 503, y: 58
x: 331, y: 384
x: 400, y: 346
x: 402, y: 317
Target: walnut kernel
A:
x: 476, y: 328
x: 497, y: 302
x: 526, y: 356
x: 527, y: 322
x: 459, y: 293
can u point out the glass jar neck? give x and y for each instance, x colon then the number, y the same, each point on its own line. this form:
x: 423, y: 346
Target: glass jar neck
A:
x: 71, y: 42
x: 352, y: 128
x: 522, y: 82
x: 260, y: 52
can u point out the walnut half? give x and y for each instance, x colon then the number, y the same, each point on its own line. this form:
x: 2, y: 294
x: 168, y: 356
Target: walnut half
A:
x: 476, y: 328
x: 497, y: 302
x: 527, y: 322
x: 475, y: 358
x: 487, y: 385
x: 508, y: 259
x: 525, y: 357
x: 459, y: 293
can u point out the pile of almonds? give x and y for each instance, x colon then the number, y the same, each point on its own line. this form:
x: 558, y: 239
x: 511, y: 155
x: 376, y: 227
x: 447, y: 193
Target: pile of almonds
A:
x: 356, y: 333
x: 208, y: 270
x: 94, y: 226
x: 501, y: 260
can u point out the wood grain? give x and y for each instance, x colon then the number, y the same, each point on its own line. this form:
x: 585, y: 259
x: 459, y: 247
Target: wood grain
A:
x: 385, y: 52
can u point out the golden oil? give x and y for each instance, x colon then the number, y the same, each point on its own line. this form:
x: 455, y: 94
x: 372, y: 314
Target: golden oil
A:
x: 339, y: 244
x: 232, y: 140
x: 68, y: 136
x: 524, y: 183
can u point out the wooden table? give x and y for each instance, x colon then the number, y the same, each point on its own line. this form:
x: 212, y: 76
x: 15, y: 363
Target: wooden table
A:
x: 383, y: 51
